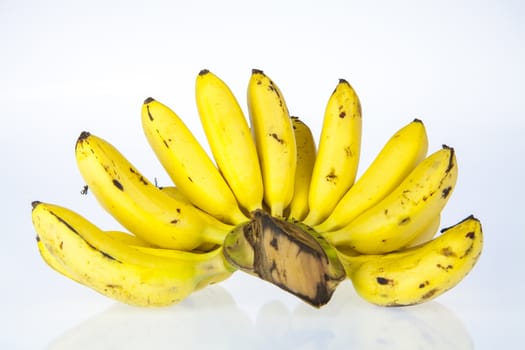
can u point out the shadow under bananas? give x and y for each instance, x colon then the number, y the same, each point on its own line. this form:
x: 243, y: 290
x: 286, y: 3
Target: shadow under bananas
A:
x: 211, y: 319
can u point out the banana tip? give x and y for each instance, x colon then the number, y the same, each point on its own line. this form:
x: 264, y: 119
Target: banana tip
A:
x: 34, y: 204
x: 149, y: 100
x: 257, y: 71
x: 83, y: 135
x: 204, y: 71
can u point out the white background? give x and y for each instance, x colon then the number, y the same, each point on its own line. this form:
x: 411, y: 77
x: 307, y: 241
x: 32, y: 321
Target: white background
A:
x: 68, y: 66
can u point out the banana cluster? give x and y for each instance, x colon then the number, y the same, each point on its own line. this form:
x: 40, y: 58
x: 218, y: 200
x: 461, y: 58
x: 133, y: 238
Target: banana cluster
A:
x: 270, y: 202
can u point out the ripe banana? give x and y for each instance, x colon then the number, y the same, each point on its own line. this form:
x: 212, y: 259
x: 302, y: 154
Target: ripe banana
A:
x: 138, y: 205
x: 187, y: 163
x: 144, y: 277
x: 400, y: 155
x: 230, y: 139
x: 275, y: 141
x: 395, y: 221
x: 335, y: 167
x: 417, y: 274
x: 305, y: 144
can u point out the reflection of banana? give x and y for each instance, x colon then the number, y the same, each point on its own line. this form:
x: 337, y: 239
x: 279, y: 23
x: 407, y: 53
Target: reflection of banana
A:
x: 140, y: 206
x: 122, y: 327
x: 338, y: 156
x: 145, y: 277
x: 230, y: 139
x: 275, y: 141
x: 400, y: 155
x: 396, y: 220
x: 417, y: 274
x: 187, y: 163
x: 305, y: 162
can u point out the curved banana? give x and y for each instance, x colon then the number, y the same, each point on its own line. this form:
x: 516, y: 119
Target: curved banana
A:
x: 187, y: 163
x: 148, y: 277
x: 230, y: 139
x: 306, y: 151
x: 418, y: 274
x: 337, y: 159
x: 395, y: 221
x: 275, y: 141
x: 138, y: 205
x: 400, y: 155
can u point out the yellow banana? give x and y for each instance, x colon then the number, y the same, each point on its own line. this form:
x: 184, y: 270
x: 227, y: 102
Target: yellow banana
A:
x: 305, y: 162
x: 148, y: 277
x: 275, y: 141
x: 230, y: 139
x: 395, y: 221
x: 187, y: 163
x: 138, y: 205
x: 400, y: 155
x: 417, y: 274
x: 335, y: 167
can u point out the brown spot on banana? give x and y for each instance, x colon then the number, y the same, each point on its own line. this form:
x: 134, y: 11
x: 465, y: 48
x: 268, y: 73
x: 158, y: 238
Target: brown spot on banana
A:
x: 331, y: 176
x: 385, y: 281
x: 277, y: 138
x: 404, y: 221
x: 430, y: 293
x: 448, y: 252
x: 445, y: 192
x: 118, y: 185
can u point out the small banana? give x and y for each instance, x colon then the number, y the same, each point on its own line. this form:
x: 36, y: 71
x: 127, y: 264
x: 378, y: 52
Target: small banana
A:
x: 144, y: 277
x: 335, y: 167
x: 138, y: 205
x: 187, y: 163
x: 230, y: 139
x: 275, y: 141
x: 417, y: 274
x: 305, y: 144
x: 396, y: 220
x: 400, y: 155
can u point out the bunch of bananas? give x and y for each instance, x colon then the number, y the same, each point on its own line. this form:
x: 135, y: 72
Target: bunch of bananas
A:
x: 272, y: 204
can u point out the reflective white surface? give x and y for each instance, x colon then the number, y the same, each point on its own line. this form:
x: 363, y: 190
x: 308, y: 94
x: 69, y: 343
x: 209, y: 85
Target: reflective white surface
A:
x: 70, y: 66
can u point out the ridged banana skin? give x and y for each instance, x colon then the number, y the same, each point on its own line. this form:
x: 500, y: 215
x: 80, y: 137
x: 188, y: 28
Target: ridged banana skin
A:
x: 274, y: 139
x: 338, y: 154
x: 187, y: 163
x: 306, y: 152
x: 395, y: 221
x: 138, y: 205
x: 149, y: 277
x: 398, y: 157
x: 230, y: 139
x: 418, y: 274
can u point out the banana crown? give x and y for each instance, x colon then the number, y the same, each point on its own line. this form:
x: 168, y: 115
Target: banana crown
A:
x: 267, y: 201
